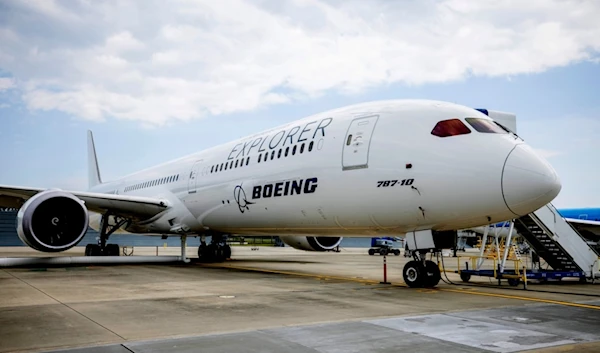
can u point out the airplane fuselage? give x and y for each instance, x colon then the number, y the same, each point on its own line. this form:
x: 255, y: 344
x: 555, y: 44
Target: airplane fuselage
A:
x: 370, y: 169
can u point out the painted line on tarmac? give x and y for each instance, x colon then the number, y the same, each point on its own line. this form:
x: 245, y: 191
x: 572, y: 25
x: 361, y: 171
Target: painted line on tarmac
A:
x: 518, y: 297
x: 368, y: 281
x: 291, y: 273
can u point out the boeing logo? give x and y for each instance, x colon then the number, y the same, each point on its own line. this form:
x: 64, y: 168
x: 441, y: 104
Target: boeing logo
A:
x: 290, y: 187
x: 240, y: 198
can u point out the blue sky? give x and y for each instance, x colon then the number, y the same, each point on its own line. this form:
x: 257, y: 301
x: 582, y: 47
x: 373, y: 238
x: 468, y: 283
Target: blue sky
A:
x: 180, y: 79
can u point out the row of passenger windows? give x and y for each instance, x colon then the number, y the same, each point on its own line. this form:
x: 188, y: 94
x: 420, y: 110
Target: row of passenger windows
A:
x: 263, y: 157
x: 230, y: 165
x: 453, y: 127
x: 152, y: 183
x: 286, y: 152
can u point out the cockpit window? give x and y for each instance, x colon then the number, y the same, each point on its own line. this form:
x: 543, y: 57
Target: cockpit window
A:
x: 486, y: 126
x: 450, y: 127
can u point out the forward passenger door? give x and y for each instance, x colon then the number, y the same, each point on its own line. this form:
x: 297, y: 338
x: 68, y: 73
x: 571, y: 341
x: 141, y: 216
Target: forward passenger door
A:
x: 357, y: 143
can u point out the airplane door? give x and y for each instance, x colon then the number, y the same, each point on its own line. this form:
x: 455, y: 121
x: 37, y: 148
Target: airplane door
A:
x: 193, y: 177
x: 356, y: 145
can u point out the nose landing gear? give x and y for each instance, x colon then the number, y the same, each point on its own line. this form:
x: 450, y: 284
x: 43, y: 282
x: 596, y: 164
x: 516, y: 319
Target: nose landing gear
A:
x: 420, y: 273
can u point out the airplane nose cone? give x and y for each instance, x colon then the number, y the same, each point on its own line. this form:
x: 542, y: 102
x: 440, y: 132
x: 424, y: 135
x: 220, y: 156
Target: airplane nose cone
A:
x: 528, y: 181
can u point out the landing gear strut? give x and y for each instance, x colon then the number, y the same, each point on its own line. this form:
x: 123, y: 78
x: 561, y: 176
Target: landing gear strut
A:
x: 421, y: 272
x: 106, y: 229
x: 216, y: 251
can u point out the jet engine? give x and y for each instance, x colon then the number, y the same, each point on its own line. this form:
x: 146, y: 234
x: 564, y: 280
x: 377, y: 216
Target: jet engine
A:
x: 311, y: 243
x: 52, y: 221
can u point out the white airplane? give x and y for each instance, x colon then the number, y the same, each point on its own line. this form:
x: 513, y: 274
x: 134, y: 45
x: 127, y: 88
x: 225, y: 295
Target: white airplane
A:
x: 401, y: 167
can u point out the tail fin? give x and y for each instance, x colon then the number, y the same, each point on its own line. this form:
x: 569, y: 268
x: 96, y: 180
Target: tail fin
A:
x: 93, y: 170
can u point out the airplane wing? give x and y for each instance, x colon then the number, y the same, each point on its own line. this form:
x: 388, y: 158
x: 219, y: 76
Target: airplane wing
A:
x: 121, y: 205
x: 585, y: 224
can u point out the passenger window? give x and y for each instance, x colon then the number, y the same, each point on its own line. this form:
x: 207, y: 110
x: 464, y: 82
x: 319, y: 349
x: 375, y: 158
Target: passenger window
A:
x: 236, y: 163
x: 231, y: 165
x: 220, y: 169
x: 272, y: 154
x: 450, y: 127
x: 279, y: 153
x: 248, y: 160
x: 294, y: 150
x: 212, y: 168
x: 259, y: 157
x: 287, y: 150
x: 302, y: 148
x: 485, y: 126
x: 310, y: 146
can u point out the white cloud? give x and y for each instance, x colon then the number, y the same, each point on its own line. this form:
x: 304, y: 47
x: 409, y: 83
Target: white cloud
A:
x: 6, y: 83
x: 156, y: 62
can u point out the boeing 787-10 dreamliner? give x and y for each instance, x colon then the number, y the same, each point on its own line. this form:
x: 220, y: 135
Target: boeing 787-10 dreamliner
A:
x: 415, y: 168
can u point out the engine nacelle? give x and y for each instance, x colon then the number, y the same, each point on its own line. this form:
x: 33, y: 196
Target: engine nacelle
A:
x: 311, y: 243
x: 52, y: 221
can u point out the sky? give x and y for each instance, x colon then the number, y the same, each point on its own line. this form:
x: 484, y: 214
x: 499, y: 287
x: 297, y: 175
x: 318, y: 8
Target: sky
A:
x: 156, y: 80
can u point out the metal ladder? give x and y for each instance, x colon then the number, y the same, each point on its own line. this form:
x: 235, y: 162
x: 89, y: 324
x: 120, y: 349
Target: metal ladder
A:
x: 543, y: 244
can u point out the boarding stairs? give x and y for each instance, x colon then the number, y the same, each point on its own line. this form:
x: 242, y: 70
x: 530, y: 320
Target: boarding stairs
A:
x: 557, y: 242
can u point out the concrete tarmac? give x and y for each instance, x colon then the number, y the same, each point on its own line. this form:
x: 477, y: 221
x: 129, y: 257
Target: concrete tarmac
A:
x: 283, y: 300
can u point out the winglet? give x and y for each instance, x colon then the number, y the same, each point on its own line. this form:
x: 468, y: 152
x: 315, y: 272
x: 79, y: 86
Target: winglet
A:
x: 93, y: 170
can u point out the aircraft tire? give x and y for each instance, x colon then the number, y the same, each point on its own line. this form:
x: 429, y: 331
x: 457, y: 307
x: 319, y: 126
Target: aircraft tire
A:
x: 203, y: 253
x: 112, y: 250
x: 93, y: 250
x: 432, y: 273
x: 413, y: 274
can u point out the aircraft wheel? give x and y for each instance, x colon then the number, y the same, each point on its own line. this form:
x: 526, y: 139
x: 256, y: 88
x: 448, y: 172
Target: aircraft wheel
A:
x: 433, y: 274
x: 203, y: 253
x: 112, y: 250
x: 413, y: 274
x: 93, y: 250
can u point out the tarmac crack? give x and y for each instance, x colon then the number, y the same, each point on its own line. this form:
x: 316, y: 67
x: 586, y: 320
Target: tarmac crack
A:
x: 64, y: 304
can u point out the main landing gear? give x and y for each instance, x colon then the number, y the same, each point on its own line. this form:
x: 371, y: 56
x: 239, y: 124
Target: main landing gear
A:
x: 216, y: 251
x: 420, y: 273
x: 106, y: 229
